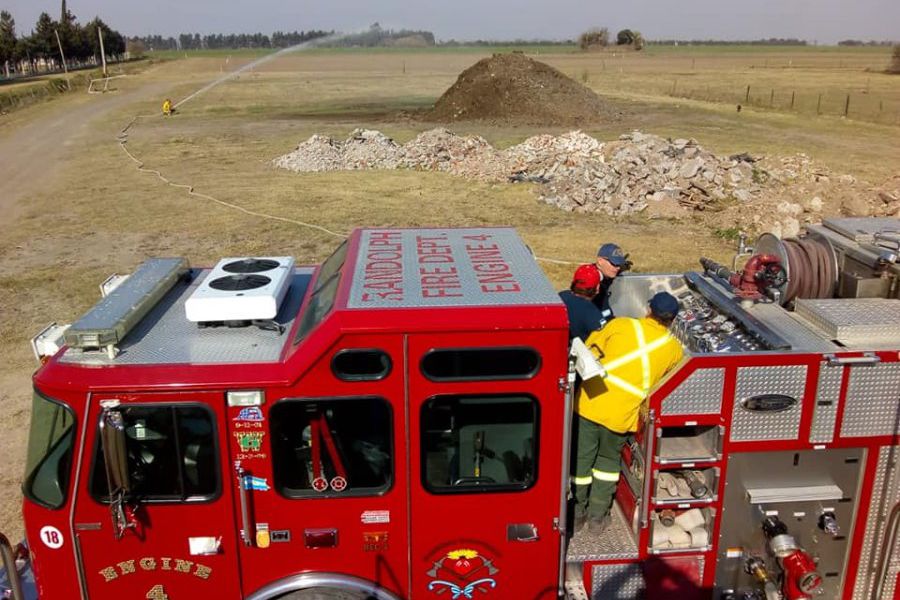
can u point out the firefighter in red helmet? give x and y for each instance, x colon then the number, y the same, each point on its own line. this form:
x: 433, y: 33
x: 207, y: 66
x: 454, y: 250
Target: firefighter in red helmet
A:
x: 584, y: 316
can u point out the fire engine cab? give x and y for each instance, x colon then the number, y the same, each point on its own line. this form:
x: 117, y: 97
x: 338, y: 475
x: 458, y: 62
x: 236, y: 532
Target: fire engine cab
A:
x: 395, y: 424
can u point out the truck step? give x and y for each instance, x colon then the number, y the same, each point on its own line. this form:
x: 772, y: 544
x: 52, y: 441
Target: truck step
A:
x: 575, y: 590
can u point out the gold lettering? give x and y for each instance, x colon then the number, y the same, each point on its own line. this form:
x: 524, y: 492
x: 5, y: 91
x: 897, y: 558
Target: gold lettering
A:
x: 147, y: 564
x: 126, y: 567
x: 203, y: 572
x: 183, y: 566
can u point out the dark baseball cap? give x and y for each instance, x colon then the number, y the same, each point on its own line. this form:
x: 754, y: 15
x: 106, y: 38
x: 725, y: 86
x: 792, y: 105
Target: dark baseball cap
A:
x: 613, y: 253
x: 664, y: 306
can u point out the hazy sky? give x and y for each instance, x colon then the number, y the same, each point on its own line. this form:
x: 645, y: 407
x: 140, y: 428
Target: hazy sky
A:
x: 824, y: 20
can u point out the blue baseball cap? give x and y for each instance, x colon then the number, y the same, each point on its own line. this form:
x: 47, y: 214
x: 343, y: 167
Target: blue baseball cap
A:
x: 613, y: 253
x: 664, y: 306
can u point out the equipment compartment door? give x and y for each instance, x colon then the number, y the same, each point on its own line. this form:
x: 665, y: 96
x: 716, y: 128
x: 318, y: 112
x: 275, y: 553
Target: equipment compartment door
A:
x: 486, y: 413
x: 179, y: 539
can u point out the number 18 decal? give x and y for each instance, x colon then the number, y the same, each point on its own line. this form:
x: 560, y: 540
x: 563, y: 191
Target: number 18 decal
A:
x: 157, y: 593
x: 52, y: 537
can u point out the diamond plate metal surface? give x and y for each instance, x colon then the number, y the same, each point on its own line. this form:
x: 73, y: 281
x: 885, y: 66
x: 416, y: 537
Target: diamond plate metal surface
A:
x: 617, y: 582
x: 626, y: 581
x: 862, y: 230
x: 617, y: 542
x: 750, y: 426
x: 165, y: 336
x: 885, y: 493
x: 446, y: 267
x: 796, y: 332
x: 873, y: 401
x: 828, y: 396
x: 700, y: 393
x: 854, y: 321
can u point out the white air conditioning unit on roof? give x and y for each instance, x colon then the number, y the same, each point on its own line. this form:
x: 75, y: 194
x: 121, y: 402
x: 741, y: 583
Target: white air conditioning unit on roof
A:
x: 241, y: 289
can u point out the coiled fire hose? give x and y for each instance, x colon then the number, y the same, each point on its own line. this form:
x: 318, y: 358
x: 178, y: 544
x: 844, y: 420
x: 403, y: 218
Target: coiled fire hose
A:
x: 812, y: 272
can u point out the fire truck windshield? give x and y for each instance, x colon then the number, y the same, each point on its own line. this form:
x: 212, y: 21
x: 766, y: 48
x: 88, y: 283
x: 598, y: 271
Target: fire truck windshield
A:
x: 323, y: 293
x: 49, y: 452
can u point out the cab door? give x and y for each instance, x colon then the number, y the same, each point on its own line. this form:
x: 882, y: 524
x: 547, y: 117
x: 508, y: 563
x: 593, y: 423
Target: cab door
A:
x: 325, y: 475
x: 486, y: 414
x: 176, y: 537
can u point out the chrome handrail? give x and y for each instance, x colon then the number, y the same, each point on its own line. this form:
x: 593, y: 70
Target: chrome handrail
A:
x: 12, y: 573
x: 243, y: 496
x: 887, y: 546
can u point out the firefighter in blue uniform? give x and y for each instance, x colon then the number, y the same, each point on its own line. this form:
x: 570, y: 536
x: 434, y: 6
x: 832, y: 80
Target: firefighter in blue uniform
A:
x: 611, y: 260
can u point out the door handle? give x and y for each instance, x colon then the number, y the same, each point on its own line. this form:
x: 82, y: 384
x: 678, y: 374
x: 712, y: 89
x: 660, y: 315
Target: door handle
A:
x: 521, y: 532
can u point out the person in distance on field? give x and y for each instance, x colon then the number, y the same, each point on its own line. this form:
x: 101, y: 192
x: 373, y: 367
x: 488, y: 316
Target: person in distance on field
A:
x: 635, y: 353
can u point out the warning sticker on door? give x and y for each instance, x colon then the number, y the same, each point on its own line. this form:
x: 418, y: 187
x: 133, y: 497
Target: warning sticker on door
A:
x: 370, y: 517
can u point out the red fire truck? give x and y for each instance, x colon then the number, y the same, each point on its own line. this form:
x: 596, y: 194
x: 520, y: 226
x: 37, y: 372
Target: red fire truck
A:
x: 394, y: 423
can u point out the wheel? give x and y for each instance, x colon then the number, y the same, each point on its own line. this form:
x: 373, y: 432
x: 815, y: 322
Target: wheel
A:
x: 326, y: 594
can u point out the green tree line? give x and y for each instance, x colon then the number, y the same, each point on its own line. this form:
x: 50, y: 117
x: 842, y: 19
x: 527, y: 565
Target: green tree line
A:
x: 195, y: 41
x: 40, y: 50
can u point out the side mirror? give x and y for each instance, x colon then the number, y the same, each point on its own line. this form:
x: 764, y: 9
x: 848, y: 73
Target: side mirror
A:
x: 586, y: 365
x: 115, y: 457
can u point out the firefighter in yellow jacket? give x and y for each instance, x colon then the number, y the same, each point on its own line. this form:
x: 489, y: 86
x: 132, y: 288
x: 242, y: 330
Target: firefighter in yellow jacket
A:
x: 635, y: 353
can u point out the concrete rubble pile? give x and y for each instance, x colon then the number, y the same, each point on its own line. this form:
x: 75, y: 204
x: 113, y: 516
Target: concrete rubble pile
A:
x: 639, y: 172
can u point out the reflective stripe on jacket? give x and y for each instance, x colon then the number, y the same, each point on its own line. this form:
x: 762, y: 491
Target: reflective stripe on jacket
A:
x: 636, y: 354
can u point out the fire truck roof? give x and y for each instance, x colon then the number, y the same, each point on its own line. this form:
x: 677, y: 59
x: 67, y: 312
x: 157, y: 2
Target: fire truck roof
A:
x: 442, y: 268
x: 484, y: 270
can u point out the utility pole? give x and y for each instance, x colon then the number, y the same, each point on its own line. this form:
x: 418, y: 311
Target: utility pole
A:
x: 102, y: 51
x: 65, y: 67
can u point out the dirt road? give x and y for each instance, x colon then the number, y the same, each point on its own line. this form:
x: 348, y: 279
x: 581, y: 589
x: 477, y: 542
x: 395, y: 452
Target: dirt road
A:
x: 36, y: 146
x: 32, y: 154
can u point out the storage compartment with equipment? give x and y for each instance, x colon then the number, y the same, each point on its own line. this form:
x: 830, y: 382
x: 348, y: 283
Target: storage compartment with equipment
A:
x: 696, y: 443
x: 673, y: 530
x: 680, y: 486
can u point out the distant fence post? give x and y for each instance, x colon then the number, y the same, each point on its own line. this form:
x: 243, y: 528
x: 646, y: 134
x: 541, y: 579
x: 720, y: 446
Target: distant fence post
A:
x: 772, y: 98
x: 747, y: 96
x: 847, y: 105
x: 819, y: 105
x: 793, y: 92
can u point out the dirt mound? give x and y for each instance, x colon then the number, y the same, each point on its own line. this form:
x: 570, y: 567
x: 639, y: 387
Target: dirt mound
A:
x: 513, y: 89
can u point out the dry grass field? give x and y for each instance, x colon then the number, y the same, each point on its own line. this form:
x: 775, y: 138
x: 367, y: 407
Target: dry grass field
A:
x: 93, y: 213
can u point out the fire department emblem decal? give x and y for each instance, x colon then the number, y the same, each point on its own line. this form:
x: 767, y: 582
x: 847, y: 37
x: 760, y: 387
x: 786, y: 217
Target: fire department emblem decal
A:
x: 249, y: 441
x: 463, y: 572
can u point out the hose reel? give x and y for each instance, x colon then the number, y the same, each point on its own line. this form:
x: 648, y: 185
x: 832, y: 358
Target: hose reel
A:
x: 810, y: 265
